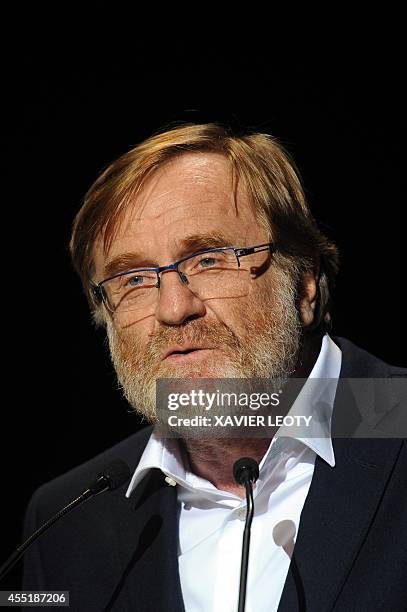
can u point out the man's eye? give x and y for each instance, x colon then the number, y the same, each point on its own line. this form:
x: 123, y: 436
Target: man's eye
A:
x: 208, y: 262
x: 135, y: 281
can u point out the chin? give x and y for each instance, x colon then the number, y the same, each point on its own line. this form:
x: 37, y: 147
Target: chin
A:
x: 203, y: 371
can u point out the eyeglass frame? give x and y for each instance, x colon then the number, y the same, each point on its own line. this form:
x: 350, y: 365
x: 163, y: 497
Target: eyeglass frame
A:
x: 99, y: 294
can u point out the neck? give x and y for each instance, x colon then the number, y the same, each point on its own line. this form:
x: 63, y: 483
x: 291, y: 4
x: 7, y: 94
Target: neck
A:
x: 213, y: 459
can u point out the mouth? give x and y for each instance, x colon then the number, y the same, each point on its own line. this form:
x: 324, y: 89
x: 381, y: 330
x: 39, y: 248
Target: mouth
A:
x: 181, y: 353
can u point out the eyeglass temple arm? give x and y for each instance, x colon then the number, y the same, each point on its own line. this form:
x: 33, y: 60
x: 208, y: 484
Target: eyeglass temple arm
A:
x: 96, y: 292
x: 256, y: 249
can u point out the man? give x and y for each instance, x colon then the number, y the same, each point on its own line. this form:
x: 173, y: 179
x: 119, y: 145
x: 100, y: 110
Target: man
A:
x: 199, y: 255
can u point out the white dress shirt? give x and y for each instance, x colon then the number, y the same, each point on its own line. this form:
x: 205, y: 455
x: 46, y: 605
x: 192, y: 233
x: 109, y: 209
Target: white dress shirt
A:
x: 211, y: 521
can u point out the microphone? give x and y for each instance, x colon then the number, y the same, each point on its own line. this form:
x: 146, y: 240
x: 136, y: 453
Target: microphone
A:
x: 245, y: 469
x: 245, y: 472
x: 113, y: 476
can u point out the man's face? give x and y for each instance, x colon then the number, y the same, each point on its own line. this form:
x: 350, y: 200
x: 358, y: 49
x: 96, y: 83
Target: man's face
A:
x: 256, y: 334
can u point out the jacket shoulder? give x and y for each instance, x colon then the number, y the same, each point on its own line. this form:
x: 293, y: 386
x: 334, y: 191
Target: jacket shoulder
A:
x: 357, y: 362
x: 56, y: 493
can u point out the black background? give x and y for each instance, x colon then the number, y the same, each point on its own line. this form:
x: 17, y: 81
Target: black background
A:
x: 340, y: 117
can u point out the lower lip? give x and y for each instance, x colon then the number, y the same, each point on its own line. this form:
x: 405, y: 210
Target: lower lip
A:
x: 187, y: 356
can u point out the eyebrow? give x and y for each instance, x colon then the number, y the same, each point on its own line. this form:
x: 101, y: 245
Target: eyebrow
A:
x: 198, y: 242
x: 124, y: 262
x: 190, y: 244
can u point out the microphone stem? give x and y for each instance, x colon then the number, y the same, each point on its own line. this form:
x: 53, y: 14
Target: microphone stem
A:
x: 12, y: 560
x: 114, y: 475
x: 246, y: 545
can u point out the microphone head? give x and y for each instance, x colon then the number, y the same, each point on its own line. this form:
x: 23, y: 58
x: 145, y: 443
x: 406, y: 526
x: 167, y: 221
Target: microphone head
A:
x: 116, y: 473
x: 245, y: 469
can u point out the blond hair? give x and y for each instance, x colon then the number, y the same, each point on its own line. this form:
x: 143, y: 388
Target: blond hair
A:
x: 272, y: 183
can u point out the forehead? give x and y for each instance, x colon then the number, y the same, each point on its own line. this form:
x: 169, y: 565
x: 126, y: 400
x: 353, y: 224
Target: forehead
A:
x: 194, y: 193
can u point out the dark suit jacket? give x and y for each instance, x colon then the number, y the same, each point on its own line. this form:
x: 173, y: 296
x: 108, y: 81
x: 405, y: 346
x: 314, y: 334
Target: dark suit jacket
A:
x: 115, y: 553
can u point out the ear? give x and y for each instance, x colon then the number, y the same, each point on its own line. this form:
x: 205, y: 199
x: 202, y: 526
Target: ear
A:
x: 308, y: 297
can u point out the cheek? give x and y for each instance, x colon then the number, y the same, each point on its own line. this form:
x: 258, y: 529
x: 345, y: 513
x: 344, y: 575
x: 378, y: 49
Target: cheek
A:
x: 260, y: 294
x: 261, y: 297
x: 234, y: 313
x: 134, y: 335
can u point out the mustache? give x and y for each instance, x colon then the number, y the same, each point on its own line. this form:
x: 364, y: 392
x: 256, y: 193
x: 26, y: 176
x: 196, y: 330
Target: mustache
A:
x: 194, y: 331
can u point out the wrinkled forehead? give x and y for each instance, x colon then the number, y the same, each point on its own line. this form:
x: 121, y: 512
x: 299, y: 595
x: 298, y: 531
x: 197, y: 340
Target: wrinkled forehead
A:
x: 193, y: 194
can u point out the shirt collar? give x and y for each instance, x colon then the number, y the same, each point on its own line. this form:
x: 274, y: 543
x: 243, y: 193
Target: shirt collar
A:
x: 165, y: 453
x: 319, y: 392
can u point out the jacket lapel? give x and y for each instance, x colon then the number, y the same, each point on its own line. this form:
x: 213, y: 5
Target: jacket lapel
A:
x: 148, y: 543
x: 336, y: 517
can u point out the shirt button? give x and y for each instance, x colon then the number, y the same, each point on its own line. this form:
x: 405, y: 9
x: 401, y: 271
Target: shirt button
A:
x: 170, y: 481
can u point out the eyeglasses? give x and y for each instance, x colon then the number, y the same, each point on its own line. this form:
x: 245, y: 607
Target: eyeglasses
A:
x: 211, y: 273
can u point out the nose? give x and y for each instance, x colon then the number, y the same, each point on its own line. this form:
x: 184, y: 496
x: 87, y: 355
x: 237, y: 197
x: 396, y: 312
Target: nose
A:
x: 176, y: 302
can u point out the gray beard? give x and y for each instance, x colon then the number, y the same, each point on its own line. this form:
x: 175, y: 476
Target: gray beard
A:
x: 269, y: 348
